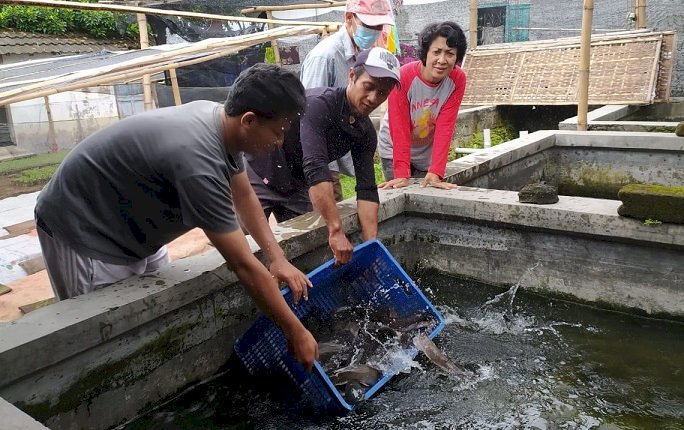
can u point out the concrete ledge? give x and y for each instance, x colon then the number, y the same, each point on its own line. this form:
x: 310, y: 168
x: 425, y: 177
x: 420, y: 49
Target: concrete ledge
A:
x: 666, y: 142
x: 578, y: 215
x: 464, y: 169
x: 610, y: 118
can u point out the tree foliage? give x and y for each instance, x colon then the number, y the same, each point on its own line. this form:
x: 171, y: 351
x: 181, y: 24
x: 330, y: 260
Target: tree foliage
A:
x: 49, y: 20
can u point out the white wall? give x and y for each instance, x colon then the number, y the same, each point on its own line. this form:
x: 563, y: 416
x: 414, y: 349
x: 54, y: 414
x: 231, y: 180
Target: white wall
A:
x: 75, y: 115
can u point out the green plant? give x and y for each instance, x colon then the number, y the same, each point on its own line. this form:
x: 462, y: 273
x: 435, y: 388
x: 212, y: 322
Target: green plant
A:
x: 349, y: 183
x: 498, y: 135
x: 49, y: 20
x: 269, y: 56
x: 18, y: 164
x: 36, y: 176
x: 651, y: 221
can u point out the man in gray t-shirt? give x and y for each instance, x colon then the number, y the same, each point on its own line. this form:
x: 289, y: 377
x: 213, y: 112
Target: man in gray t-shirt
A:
x: 127, y: 190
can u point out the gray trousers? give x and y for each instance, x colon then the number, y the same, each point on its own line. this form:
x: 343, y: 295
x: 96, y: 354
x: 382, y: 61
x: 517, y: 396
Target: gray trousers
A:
x: 72, y: 274
x: 344, y: 165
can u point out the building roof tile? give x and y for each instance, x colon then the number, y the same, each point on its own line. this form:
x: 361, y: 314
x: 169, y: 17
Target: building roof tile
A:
x: 19, y: 42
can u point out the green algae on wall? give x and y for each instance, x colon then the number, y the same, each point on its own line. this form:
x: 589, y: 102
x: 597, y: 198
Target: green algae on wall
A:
x: 112, y: 375
x: 595, y: 181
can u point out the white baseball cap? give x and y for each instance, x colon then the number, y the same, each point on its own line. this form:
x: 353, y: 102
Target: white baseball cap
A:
x: 379, y: 63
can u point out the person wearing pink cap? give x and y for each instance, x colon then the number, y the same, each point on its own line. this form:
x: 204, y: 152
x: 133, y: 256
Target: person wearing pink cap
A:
x: 328, y: 63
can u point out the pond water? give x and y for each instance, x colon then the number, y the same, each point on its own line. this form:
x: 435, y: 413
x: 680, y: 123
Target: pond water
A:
x: 540, y: 363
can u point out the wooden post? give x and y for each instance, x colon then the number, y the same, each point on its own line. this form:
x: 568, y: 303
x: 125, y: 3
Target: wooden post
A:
x: 144, y: 43
x: 274, y: 44
x: 473, y: 25
x: 640, y: 13
x: 52, y: 136
x: 174, y: 87
x: 585, y: 60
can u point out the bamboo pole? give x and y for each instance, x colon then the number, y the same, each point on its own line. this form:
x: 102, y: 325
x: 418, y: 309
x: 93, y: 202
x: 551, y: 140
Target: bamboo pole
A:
x: 145, y: 43
x: 585, y: 60
x: 152, y: 11
x: 202, y: 47
x: 473, y: 25
x: 174, y: 86
x: 134, y: 70
x: 640, y: 13
x: 52, y: 136
x: 254, y: 9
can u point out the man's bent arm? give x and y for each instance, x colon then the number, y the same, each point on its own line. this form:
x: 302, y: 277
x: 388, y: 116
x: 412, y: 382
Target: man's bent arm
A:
x: 263, y: 288
x: 323, y: 200
x: 368, y: 218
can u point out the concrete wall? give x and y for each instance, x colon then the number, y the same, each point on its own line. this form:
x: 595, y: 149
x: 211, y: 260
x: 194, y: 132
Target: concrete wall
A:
x: 582, y: 167
x: 595, y: 263
x: 75, y: 115
x: 476, y: 119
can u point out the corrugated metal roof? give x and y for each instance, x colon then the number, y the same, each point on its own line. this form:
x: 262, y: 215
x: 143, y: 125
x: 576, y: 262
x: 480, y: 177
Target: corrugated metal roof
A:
x: 19, y: 42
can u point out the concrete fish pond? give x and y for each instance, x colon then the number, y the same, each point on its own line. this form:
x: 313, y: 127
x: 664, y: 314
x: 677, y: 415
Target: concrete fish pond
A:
x: 102, y: 359
x: 369, y: 318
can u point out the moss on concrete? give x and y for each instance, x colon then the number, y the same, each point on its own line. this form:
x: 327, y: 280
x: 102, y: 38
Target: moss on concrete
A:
x: 110, y: 376
x: 679, y: 130
x: 595, y: 181
x: 652, y: 202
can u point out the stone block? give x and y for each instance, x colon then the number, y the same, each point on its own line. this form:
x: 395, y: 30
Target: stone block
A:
x: 679, y: 130
x: 650, y: 201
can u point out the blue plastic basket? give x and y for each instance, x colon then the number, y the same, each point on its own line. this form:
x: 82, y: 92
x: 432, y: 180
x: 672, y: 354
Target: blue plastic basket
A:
x: 373, y: 277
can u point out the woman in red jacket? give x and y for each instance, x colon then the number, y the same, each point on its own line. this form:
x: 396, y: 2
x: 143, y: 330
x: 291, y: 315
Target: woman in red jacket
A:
x: 415, y: 136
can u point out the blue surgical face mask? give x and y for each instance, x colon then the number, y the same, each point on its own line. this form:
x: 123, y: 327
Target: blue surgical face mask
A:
x: 365, y: 37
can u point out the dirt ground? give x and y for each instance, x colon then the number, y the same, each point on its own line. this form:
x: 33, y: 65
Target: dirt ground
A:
x: 8, y: 188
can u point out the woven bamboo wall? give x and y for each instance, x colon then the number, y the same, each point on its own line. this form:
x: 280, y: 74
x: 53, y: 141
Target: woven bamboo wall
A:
x: 626, y: 68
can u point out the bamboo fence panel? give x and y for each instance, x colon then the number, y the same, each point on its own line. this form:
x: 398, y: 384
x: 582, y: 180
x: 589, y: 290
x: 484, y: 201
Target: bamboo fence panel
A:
x: 626, y: 68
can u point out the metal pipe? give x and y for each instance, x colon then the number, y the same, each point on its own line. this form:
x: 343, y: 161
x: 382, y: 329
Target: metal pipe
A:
x: 467, y: 150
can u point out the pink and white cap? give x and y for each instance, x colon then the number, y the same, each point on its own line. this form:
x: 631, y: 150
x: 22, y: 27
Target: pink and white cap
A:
x: 371, y: 12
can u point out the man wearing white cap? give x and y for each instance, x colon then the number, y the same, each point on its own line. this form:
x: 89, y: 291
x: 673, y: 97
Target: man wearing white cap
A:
x: 296, y: 178
x: 328, y: 63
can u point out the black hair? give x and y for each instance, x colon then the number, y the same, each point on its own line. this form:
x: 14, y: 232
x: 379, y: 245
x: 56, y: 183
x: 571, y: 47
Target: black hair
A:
x: 455, y: 38
x: 267, y: 90
x: 358, y: 71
